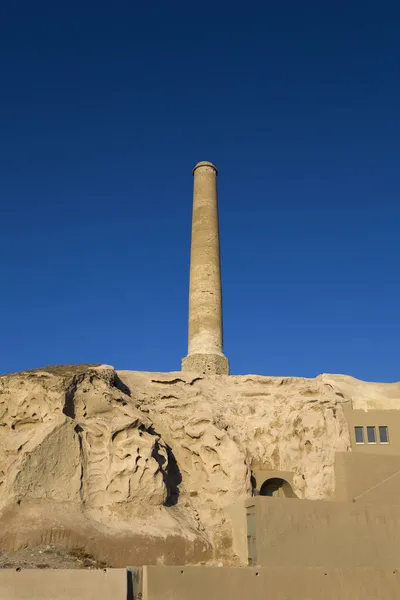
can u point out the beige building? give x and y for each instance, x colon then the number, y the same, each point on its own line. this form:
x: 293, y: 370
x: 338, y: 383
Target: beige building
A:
x: 358, y: 526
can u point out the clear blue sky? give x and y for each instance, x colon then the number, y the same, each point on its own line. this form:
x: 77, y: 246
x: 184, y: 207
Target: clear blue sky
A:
x: 104, y: 109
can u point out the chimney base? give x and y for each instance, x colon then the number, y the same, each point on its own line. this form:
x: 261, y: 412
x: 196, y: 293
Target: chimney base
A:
x: 206, y: 364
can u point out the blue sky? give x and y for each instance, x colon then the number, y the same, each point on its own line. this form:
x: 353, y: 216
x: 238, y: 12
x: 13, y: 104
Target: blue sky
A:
x: 105, y: 108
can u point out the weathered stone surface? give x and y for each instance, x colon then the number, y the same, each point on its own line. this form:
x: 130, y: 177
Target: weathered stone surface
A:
x: 76, y: 438
x: 366, y: 395
x: 224, y: 425
x: 138, y: 467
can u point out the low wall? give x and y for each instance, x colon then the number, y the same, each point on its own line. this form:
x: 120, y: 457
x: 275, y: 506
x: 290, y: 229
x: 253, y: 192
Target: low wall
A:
x: 197, y: 583
x: 63, y: 584
x: 213, y: 583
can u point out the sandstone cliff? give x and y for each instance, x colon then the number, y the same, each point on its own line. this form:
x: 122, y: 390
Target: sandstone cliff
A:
x: 138, y: 467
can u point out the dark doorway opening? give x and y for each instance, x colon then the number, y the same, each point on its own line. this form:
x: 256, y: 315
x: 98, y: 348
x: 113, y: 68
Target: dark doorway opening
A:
x: 277, y: 488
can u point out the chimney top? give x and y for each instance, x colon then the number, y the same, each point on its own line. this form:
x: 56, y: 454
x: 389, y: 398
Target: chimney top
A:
x: 205, y: 163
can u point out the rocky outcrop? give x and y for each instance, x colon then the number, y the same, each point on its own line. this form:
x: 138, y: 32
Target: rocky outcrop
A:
x: 139, y: 467
x: 74, y: 437
x: 219, y: 427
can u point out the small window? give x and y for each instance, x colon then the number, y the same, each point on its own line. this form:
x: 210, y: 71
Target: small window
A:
x: 383, y: 434
x: 359, y: 433
x: 371, y: 436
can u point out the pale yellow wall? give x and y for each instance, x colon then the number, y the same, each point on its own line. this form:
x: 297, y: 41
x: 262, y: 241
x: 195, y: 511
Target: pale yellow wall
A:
x: 197, y: 583
x: 312, y: 533
x: 63, y: 584
x: 367, y: 477
x: 287, y: 583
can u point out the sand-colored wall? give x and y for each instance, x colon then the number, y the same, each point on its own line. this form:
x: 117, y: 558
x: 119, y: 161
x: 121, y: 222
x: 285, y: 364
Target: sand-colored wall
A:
x: 307, y: 533
x: 63, y: 584
x: 367, y: 477
x: 197, y: 583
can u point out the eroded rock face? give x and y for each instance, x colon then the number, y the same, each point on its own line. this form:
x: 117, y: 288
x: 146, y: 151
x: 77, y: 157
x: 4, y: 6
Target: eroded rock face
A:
x: 224, y: 425
x: 138, y: 467
x: 75, y: 436
x: 72, y: 437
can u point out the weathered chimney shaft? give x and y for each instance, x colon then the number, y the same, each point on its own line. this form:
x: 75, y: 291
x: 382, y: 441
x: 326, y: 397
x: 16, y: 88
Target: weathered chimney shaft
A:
x: 205, y: 343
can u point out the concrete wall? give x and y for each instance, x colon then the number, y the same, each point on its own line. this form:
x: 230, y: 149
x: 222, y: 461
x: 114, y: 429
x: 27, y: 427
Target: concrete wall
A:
x: 318, y: 533
x: 367, y: 477
x: 197, y: 583
x: 63, y: 584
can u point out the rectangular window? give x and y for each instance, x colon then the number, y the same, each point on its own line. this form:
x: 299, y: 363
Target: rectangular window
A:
x: 371, y: 436
x: 359, y: 433
x: 383, y: 434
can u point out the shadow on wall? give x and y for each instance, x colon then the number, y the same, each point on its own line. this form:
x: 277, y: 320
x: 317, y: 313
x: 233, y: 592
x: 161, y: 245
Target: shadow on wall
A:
x: 170, y: 472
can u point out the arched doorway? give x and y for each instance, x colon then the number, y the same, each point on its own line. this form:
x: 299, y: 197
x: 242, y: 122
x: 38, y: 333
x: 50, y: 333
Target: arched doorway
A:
x: 277, y: 488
